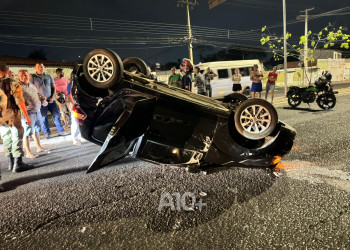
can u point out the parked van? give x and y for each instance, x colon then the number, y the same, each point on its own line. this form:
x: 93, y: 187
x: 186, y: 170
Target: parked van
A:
x: 222, y: 83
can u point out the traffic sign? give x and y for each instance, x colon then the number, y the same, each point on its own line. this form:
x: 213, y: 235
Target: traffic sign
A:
x: 214, y: 3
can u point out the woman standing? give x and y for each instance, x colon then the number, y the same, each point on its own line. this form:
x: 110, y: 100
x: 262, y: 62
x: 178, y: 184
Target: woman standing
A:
x: 236, y: 79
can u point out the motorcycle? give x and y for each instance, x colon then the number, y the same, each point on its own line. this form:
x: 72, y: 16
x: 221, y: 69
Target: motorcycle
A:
x: 322, y: 92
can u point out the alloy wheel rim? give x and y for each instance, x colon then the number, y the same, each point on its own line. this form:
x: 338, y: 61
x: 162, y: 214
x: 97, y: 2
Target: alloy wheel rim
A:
x: 295, y: 99
x: 255, y: 119
x: 100, y: 68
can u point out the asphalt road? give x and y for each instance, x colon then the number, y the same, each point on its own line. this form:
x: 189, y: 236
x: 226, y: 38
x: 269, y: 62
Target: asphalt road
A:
x: 304, y: 203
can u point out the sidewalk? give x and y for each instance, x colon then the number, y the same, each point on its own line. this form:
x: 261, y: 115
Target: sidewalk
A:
x: 55, y: 138
x: 281, y: 84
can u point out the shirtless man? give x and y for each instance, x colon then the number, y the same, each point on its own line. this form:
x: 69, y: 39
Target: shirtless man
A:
x: 256, y: 77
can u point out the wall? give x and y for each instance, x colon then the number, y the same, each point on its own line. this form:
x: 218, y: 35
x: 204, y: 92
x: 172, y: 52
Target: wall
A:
x: 347, y: 69
x: 335, y: 66
x: 327, y: 54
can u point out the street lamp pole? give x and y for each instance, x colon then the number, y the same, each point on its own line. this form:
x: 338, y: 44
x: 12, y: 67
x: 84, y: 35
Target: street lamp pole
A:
x: 306, y: 41
x: 188, y: 5
x: 285, y: 46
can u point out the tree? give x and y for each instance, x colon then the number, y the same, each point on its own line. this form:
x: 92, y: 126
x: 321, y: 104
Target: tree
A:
x: 38, y: 54
x: 328, y: 37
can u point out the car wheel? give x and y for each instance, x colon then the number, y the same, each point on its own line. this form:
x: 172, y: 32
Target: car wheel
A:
x: 234, y: 99
x: 103, y: 68
x: 294, y: 100
x: 135, y: 64
x: 246, y: 91
x: 255, y: 119
x: 326, y: 101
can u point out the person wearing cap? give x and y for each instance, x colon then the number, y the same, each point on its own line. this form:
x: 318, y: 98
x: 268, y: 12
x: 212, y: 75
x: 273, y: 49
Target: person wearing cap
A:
x: 61, y: 84
x: 11, y: 105
x: 175, y: 78
x: 186, y: 69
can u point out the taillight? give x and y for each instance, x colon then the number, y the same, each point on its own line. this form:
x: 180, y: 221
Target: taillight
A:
x: 79, y: 114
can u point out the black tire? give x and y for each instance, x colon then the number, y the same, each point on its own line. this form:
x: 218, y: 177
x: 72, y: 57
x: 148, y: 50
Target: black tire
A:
x: 246, y: 91
x: 326, y: 101
x: 234, y: 98
x: 294, y: 100
x: 103, y: 68
x: 249, y: 120
x: 135, y: 64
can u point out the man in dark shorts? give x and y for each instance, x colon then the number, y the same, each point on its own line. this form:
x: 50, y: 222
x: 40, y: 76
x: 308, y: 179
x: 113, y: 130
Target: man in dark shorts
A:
x: 256, y: 77
x: 271, y: 82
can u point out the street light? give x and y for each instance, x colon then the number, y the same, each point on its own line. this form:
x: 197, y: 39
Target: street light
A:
x: 285, y: 46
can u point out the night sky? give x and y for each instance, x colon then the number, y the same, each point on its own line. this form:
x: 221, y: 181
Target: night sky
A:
x: 152, y: 30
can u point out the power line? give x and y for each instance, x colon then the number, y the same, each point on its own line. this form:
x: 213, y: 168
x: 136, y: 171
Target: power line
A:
x: 83, y: 47
x: 55, y: 21
x: 168, y: 34
x: 333, y: 12
x: 251, y: 6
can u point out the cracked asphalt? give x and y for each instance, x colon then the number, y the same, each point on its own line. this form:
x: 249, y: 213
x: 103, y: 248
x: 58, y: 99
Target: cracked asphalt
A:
x: 303, y: 203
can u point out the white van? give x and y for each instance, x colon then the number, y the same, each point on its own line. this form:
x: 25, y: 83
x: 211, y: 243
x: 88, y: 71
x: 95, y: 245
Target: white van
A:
x: 222, y: 83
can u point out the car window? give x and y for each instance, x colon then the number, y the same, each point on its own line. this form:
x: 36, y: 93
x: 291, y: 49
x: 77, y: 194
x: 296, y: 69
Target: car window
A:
x: 222, y: 73
x: 245, y: 71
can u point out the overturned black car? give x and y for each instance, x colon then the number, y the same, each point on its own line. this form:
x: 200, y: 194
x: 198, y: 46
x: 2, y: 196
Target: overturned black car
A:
x: 128, y: 114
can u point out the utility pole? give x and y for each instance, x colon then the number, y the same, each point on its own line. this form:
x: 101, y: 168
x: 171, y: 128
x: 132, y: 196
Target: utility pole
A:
x: 306, y: 41
x: 285, y: 47
x: 188, y: 5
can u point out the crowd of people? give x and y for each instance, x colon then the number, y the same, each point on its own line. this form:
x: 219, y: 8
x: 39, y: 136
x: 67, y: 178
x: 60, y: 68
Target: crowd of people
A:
x: 184, y: 79
x: 24, y: 106
x: 203, y: 82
